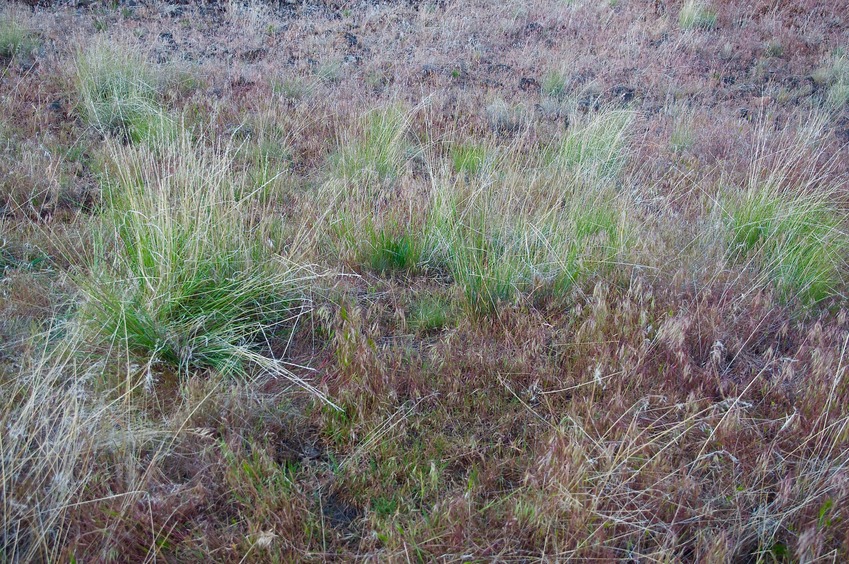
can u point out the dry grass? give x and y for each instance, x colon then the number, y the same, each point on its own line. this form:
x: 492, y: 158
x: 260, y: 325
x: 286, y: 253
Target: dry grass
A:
x: 582, y: 294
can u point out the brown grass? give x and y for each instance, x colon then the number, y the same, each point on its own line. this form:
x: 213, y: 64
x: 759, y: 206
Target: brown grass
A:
x: 545, y: 337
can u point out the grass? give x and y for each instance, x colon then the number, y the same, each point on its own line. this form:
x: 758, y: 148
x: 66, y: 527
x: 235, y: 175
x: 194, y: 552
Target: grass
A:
x: 431, y: 314
x: 597, y: 148
x: 379, y: 153
x: 836, y: 76
x: 468, y: 159
x: 696, y: 14
x: 800, y: 241
x: 788, y: 224
x: 513, y: 240
x: 364, y: 282
x: 191, y: 284
x: 118, y: 92
x: 387, y: 252
x: 15, y: 39
x: 554, y: 84
x: 48, y: 431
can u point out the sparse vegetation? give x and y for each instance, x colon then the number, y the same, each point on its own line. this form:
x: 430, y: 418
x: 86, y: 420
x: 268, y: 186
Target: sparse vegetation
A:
x: 561, y: 281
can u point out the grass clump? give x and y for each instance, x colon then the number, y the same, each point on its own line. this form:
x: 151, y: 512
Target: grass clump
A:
x: 191, y: 281
x: 15, y: 39
x: 385, y: 248
x: 554, y: 85
x: 695, y: 14
x: 380, y: 153
x: 513, y: 241
x: 431, y: 313
x: 468, y: 159
x: 293, y: 89
x: 597, y: 149
x: 118, y: 92
x: 798, y: 240
x: 388, y: 252
x: 835, y: 76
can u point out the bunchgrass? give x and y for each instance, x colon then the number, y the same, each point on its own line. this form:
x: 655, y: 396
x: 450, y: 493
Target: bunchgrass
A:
x: 530, y: 233
x: 696, y: 14
x: 378, y: 154
x: 186, y: 277
x: 119, y: 92
x: 266, y: 153
x: 554, y: 84
x: 431, y: 313
x: 388, y: 251
x: 836, y: 75
x: 597, y: 149
x: 15, y: 39
x: 788, y: 223
x: 468, y: 159
x: 798, y: 240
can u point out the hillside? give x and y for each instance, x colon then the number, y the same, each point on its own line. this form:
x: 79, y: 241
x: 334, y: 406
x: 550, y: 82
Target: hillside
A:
x: 543, y: 280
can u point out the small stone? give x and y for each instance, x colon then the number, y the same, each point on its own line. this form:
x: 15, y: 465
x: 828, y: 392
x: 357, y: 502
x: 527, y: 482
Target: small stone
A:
x: 528, y: 84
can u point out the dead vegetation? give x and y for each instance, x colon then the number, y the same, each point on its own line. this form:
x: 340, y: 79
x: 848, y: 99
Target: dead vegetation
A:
x: 545, y: 280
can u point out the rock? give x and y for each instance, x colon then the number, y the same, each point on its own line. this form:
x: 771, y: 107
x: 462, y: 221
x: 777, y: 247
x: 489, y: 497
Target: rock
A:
x: 527, y: 84
x: 622, y: 94
x: 168, y: 39
x: 172, y: 10
x: 253, y: 55
x: 589, y: 103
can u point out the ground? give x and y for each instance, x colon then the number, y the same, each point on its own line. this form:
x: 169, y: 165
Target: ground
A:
x: 394, y: 281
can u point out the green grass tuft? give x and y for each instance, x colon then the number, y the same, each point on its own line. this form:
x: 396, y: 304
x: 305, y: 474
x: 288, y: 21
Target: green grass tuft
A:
x: 15, y: 40
x: 695, y: 14
x: 119, y: 91
x: 836, y: 74
x: 554, y: 85
x: 468, y: 159
x: 388, y: 252
x: 431, y: 313
x: 192, y: 282
x: 798, y: 241
x: 500, y: 245
x: 597, y: 149
x: 381, y: 151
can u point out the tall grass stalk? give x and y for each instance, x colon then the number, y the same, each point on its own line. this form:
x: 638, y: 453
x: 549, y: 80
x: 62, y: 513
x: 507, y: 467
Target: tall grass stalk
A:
x: 48, y: 431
